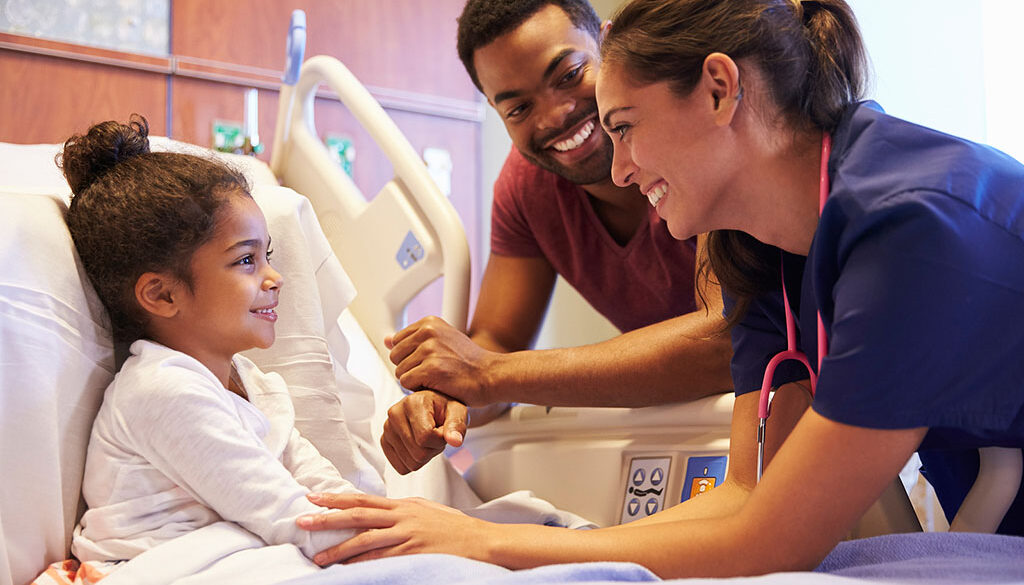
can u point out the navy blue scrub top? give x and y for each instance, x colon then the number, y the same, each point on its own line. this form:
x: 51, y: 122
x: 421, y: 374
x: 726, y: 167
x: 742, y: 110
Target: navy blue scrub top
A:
x: 918, y: 269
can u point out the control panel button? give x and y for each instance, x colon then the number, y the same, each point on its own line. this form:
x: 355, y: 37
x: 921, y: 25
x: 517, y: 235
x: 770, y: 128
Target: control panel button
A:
x: 651, y: 506
x: 657, y: 476
x: 638, y: 477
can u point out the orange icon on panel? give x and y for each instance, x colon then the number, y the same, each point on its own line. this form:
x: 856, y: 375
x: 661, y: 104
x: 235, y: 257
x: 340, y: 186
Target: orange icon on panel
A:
x: 701, y: 485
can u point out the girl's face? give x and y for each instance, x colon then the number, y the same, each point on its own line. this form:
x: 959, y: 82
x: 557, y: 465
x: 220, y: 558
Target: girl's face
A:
x: 234, y: 288
x: 671, y: 147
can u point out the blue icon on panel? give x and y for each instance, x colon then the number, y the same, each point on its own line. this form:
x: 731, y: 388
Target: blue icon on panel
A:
x: 651, y: 506
x: 634, y: 507
x: 410, y: 252
x: 703, y: 474
x: 657, y: 475
x: 638, y: 476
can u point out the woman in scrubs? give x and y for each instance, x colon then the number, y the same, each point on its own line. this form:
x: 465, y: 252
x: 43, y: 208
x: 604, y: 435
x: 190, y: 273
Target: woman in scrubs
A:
x: 738, y: 117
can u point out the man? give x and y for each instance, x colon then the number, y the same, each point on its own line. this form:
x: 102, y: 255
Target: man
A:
x: 556, y: 211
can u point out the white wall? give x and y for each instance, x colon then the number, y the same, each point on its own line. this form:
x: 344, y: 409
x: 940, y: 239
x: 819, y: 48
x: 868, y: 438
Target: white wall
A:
x: 927, y: 57
x: 1004, y: 85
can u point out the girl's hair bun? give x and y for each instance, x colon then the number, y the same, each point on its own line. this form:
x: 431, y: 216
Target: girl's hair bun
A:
x: 88, y: 157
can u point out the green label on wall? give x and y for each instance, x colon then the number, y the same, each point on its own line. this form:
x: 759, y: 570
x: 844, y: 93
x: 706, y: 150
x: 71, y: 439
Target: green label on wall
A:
x: 342, y: 151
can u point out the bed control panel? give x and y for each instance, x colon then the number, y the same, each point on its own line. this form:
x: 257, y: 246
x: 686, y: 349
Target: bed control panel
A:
x: 702, y: 474
x: 646, y: 487
x: 410, y: 252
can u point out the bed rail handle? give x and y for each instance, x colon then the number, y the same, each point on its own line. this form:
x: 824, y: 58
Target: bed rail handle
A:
x: 295, y: 50
x: 409, y: 169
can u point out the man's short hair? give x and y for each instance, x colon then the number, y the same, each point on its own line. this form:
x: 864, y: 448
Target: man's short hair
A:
x: 482, y: 21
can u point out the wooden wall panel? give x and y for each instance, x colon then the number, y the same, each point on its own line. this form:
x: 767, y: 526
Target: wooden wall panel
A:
x: 197, y: 103
x: 403, y: 51
x: 398, y: 44
x: 46, y: 99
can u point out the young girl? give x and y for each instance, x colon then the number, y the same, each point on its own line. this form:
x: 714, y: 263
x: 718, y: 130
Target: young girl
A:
x: 189, y: 433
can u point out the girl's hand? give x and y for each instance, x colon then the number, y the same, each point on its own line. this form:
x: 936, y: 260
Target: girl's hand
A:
x: 393, y: 528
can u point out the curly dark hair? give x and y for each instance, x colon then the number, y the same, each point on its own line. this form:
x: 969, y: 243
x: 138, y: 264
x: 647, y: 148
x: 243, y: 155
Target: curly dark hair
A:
x: 482, y: 21
x: 134, y: 211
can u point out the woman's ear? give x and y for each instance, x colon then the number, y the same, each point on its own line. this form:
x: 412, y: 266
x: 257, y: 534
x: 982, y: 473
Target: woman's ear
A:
x: 720, y: 78
x: 158, y: 294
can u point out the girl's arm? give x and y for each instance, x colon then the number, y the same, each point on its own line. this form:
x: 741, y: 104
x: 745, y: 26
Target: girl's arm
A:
x: 311, y: 469
x: 194, y: 439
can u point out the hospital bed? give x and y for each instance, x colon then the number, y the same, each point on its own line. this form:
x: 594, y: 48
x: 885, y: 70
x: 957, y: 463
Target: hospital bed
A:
x: 56, y: 359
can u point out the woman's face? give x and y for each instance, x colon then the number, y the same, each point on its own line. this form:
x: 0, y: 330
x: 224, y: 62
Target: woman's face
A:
x: 671, y: 147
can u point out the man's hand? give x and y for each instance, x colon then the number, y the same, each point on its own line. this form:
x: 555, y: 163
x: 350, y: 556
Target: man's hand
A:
x: 432, y: 354
x: 418, y: 428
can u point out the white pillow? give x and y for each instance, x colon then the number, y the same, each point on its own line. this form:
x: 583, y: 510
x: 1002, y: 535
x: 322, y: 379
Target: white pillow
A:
x: 56, y: 358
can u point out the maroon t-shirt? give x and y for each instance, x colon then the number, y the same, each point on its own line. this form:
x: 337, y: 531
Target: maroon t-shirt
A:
x: 539, y: 214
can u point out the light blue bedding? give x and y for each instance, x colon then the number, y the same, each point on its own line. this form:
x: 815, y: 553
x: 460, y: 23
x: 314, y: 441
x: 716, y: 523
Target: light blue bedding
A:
x: 903, y: 559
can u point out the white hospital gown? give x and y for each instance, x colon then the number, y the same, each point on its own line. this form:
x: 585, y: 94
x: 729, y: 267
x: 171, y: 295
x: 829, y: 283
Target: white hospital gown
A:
x: 172, y: 451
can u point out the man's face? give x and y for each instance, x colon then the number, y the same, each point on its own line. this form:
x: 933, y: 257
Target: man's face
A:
x: 540, y: 78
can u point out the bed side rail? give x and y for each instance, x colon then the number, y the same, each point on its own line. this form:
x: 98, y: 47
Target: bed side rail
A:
x: 392, y: 246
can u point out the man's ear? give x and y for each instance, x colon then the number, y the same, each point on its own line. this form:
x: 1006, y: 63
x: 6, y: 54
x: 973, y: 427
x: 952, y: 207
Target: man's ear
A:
x: 158, y: 294
x: 720, y: 78
x: 605, y: 27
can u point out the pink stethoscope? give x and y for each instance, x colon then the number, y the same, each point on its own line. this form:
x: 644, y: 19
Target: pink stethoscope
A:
x: 791, y: 352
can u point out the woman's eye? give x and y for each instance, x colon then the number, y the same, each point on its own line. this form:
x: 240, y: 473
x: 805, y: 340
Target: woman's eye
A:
x: 620, y: 130
x: 270, y: 252
x: 248, y: 259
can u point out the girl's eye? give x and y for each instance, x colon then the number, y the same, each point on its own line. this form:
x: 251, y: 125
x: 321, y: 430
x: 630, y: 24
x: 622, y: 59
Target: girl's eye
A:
x: 248, y: 259
x: 270, y: 252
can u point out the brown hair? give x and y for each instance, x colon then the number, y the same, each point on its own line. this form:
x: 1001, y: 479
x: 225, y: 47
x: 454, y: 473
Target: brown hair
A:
x: 134, y: 211
x: 813, y: 60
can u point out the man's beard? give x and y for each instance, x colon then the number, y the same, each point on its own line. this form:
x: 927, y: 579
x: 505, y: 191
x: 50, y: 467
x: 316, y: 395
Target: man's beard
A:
x: 594, y: 169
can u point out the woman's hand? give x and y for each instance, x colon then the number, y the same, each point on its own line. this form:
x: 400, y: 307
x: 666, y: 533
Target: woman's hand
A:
x: 393, y: 528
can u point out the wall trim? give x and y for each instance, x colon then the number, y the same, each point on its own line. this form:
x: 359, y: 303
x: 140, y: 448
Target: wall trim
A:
x: 235, y: 74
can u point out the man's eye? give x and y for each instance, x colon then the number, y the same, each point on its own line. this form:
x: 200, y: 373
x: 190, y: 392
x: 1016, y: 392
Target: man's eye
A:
x: 571, y: 75
x: 516, y: 111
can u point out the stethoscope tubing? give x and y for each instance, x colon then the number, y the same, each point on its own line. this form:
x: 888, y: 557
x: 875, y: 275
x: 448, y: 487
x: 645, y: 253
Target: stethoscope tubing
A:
x: 791, y: 352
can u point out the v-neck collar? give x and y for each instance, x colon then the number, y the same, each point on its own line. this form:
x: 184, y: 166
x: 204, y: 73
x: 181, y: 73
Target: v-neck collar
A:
x: 606, y: 236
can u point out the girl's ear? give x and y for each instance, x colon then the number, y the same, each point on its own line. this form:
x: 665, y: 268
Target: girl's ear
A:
x: 158, y: 294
